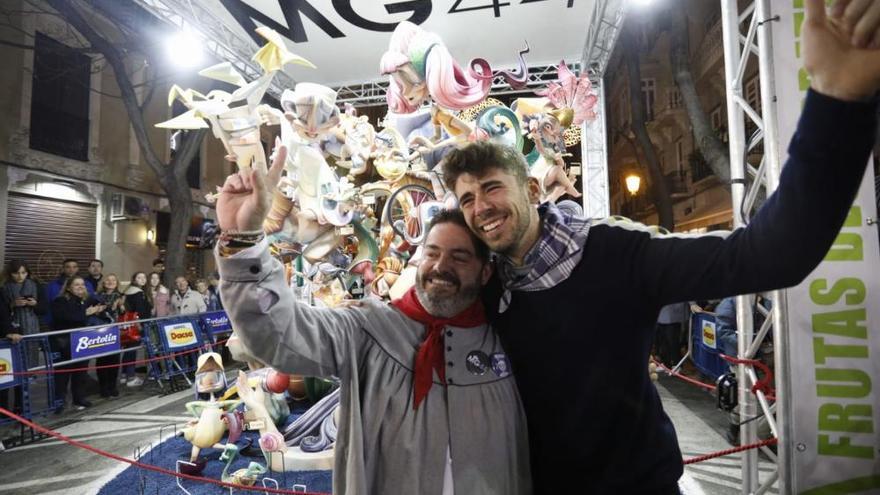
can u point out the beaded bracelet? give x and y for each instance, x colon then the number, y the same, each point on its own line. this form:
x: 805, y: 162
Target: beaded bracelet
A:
x: 242, y: 236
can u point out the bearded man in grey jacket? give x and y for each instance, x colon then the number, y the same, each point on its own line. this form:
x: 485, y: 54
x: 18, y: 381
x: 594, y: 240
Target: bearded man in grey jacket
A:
x: 428, y: 402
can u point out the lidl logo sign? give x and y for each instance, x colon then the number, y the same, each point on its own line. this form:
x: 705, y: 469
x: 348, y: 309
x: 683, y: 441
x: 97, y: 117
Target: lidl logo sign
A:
x: 180, y: 335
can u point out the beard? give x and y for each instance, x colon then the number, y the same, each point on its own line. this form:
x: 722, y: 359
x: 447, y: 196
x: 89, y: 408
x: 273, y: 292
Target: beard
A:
x: 441, y: 304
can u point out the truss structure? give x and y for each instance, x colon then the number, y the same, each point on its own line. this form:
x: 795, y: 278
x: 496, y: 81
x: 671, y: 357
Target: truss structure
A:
x: 606, y: 22
x: 373, y: 92
x: 219, y: 40
x: 747, y: 185
x: 594, y: 162
x: 602, y: 33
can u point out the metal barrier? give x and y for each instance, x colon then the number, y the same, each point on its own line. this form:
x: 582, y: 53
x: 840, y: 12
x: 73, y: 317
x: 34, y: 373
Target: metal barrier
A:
x: 163, y: 340
x: 704, y: 346
x: 169, y: 336
x: 12, y: 359
x: 33, y: 395
x: 215, y: 326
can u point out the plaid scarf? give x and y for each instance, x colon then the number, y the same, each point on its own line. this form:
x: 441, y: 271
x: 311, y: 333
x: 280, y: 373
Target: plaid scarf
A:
x: 551, y: 260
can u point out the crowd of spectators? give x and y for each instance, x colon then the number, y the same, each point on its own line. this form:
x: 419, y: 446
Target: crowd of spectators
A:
x: 75, y: 300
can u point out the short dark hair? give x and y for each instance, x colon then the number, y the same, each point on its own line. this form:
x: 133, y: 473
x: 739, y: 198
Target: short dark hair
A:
x: 480, y: 157
x: 14, y: 266
x: 70, y: 260
x: 96, y: 260
x: 456, y: 217
x: 158, y: 261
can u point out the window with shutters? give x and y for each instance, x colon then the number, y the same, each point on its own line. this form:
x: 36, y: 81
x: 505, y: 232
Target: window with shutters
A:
x: 649, y: 96
x: 719, y: 124
x: 60, y: 99
x: 674, y: 98
x: 194, y: 170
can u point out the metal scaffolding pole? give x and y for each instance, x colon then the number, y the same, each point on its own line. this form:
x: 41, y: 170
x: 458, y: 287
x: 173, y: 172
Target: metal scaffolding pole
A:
x: 594, y: 160
x: 602, y: 33
x: 739, y: 48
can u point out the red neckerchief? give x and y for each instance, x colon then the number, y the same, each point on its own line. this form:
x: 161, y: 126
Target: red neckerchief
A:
x: 430, y: 355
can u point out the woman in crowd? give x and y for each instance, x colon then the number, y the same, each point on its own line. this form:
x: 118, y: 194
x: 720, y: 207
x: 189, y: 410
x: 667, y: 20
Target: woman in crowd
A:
x: 71, y: 309
x: 214, y: 287
x: 138, y: 301
x: 23, y: 294
x: 160, y: 296
x: 212, y: 302
x: 108, y: 294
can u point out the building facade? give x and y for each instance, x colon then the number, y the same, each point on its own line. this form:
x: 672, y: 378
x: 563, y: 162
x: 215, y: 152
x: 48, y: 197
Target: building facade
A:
x: 700, y: 201
x: 73, y: 183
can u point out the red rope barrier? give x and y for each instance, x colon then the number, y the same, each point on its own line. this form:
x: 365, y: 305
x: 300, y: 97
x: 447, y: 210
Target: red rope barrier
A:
x: 103, y: 366
x: 769, y: 441
x: 698, y: 383
x: 765, y: 384
x: 148, y: 467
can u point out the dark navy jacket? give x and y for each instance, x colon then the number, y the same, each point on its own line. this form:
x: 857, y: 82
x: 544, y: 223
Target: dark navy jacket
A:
x: 580, y: 349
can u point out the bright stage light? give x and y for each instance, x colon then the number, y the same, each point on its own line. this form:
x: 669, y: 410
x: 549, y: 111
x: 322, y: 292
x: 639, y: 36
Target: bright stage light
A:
x: 185, y: 49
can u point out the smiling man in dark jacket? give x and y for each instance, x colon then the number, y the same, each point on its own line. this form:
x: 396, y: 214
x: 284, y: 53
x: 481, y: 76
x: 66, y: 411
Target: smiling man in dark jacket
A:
x: 576, y: 300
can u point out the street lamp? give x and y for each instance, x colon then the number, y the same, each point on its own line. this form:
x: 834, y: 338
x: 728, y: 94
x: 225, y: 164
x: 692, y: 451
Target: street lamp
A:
x: 633, y: 181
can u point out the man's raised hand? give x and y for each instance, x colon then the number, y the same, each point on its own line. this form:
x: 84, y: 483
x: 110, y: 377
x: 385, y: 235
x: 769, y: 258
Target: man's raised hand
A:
x: 837, y: 67
x: 246, y: 196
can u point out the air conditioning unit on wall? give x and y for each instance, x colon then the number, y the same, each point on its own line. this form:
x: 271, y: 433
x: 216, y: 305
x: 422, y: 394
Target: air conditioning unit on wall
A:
x: 126, y: 207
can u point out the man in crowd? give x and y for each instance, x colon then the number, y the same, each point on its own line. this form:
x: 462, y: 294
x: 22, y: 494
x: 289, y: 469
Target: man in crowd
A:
x: 185, y: 301
x: 428, y: 405
x: 575, y: 301
x: 93, y: 281
x: 69, y: 268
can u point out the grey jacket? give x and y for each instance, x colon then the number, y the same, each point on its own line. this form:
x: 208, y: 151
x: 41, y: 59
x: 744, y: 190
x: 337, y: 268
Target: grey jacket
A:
x: 189, y: 304
x: 383, y: 445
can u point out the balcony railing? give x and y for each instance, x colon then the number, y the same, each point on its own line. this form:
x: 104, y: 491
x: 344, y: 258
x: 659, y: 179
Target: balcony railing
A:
x: 700, y: 169
x: 711, y: 49
x: 633, y: 205
x: 676, y: 182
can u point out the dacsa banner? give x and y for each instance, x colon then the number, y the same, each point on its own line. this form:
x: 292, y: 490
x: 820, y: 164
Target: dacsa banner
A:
x: 6, y: 366
x: 709, y: 334
x: 216, y: 322
x: 85, y: 343
x: 180, y: 335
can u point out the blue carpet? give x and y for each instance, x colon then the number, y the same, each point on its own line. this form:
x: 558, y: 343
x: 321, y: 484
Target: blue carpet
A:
x: 168, y: 452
